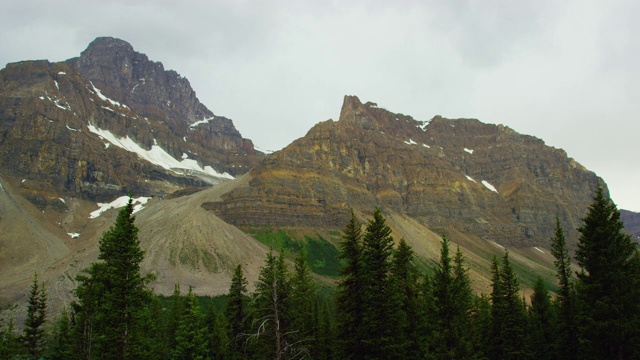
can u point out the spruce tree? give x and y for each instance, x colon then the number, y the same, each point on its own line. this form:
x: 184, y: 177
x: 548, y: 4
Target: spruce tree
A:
x: 566, y: 342
x: 609, y: 284
x: 541, y: 323
x: 507, y: 313
x: 383, y: 318
x: 191, y: 336
x: 61, y: 345
x: 112, y: 292
x: 9, y: 341
x: 349, y: 296
x: 236, y: 313
x: 406, y: 277
x: 33, y: 337
x: 452, y: 300
x: 303, y: 298
x: 272, y: 309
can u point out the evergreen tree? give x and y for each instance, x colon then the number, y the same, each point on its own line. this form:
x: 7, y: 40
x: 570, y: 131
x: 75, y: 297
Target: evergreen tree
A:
x: 9, y: 341
x: 149, y: 336
x: 175, y: 315
x: 541, y: 323
x: 383, y: 318
x: 191, y: 338
x: 508, y: 314
x: 236, y: 313
x: 112, y: 292
x: 272, y: 309
x: 566, y: 342
x: 452, y: 302
x: 609, y: 284
x: 406, y: 277
x: 303, y: 298
x: 349, y: 296
x: 33, y: 337
x: 61, y: 345
x: 217, y: 336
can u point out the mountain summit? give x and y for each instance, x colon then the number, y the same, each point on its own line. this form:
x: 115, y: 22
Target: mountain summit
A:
x: 451, y: 175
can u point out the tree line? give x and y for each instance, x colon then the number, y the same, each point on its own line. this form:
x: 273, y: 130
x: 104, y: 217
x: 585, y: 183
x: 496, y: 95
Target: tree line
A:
x: 383, y: 306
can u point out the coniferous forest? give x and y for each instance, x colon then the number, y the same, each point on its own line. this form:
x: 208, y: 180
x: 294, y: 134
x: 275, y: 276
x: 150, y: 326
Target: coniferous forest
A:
x: 383, y: 307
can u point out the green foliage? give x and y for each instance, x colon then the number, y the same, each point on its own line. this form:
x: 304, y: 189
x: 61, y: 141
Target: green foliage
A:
x: 236, y: 312
x: 349, y: 296
x: 541, y: 323
x: 9, y: 341
x: 111, y: 293
x: 276, y: 239
x: 191, y: 337
x: 609, y: 284
x: 33, y: 337
x: 61, y: 346
x: 322, y: 256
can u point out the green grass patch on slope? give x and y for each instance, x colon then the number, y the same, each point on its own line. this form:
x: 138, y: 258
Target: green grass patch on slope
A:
x: 322, y: 256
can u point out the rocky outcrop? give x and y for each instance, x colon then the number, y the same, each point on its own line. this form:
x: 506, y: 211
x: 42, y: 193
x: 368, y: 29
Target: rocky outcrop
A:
x: 457, y: 174
x: 55, y: 118
x: 631, y: 223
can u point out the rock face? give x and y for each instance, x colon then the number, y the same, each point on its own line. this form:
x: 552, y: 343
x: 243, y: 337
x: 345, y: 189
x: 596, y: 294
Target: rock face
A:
x: 447, y: 174
x: 631, y: 223
x: 78, y: 128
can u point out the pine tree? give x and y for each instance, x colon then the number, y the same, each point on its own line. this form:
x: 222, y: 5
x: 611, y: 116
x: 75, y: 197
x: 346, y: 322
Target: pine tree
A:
x: 541, y: 323
x: 382, y: 320
x: 9, y: 341
x: 112, y: 292
x: 349, y: 296
x: 609, y: 284
x: 217, y: 336
x: 566, y: 342
x: 33, y: 338
x: 191, y: 338
x: 236, y: 313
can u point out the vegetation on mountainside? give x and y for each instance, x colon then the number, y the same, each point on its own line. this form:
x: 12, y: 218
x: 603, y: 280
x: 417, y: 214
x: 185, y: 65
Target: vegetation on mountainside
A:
x: 384, y: 307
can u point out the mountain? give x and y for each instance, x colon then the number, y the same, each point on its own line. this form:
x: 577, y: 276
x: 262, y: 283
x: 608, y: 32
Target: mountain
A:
x: 631, y: 223
x: 447, y: 174
x: 76, y: 136
x: 111, y: 122
x: 92, y: 129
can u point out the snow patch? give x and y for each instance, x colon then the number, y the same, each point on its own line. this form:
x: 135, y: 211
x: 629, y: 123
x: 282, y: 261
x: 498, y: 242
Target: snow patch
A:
x: 104, y: 98
x: 427, y: 146
x: 106, y: 145
x: 70, y: 128
x: 74, y: 235
x: 471, y: 179
x: 61, y: 199
x: 204, y: 121
x: 41, y: 97
x: 62, y: 73
x: 468, y: 150
x: 56, y: 82
x: 537, y: 248
x: 23, y: 180
x: 411, y: 142
x: 489, y: 186
x: 118, y: 203
x: 498, y: 245
x: 157, y: 155
x: 266, y: 152
x: 423, y: 126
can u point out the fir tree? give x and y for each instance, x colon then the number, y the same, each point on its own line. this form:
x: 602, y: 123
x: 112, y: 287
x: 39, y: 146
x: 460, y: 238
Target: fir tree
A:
x: 236, y: 313
x: 303, y: 296
x: 191, y: 338
x: 566, y: 342
x: 383, y: 318
x: 33, y: 337
x: 9, y: 341
x: 406, y: 277
x: 61, y: 345
x: 217, y: 336
x: 349, y: 296
x: 508, y: 314
x: 112, y: 292
x: 541, y: 323
x: 452, y: 301
x: 609, y: 284
x: 271, y: 309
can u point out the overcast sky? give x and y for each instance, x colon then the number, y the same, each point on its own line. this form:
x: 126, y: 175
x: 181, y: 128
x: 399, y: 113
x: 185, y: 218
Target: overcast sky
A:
x: 564, y: 71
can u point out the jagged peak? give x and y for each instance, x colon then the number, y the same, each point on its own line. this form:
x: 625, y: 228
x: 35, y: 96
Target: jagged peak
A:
x: 108, y: 41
